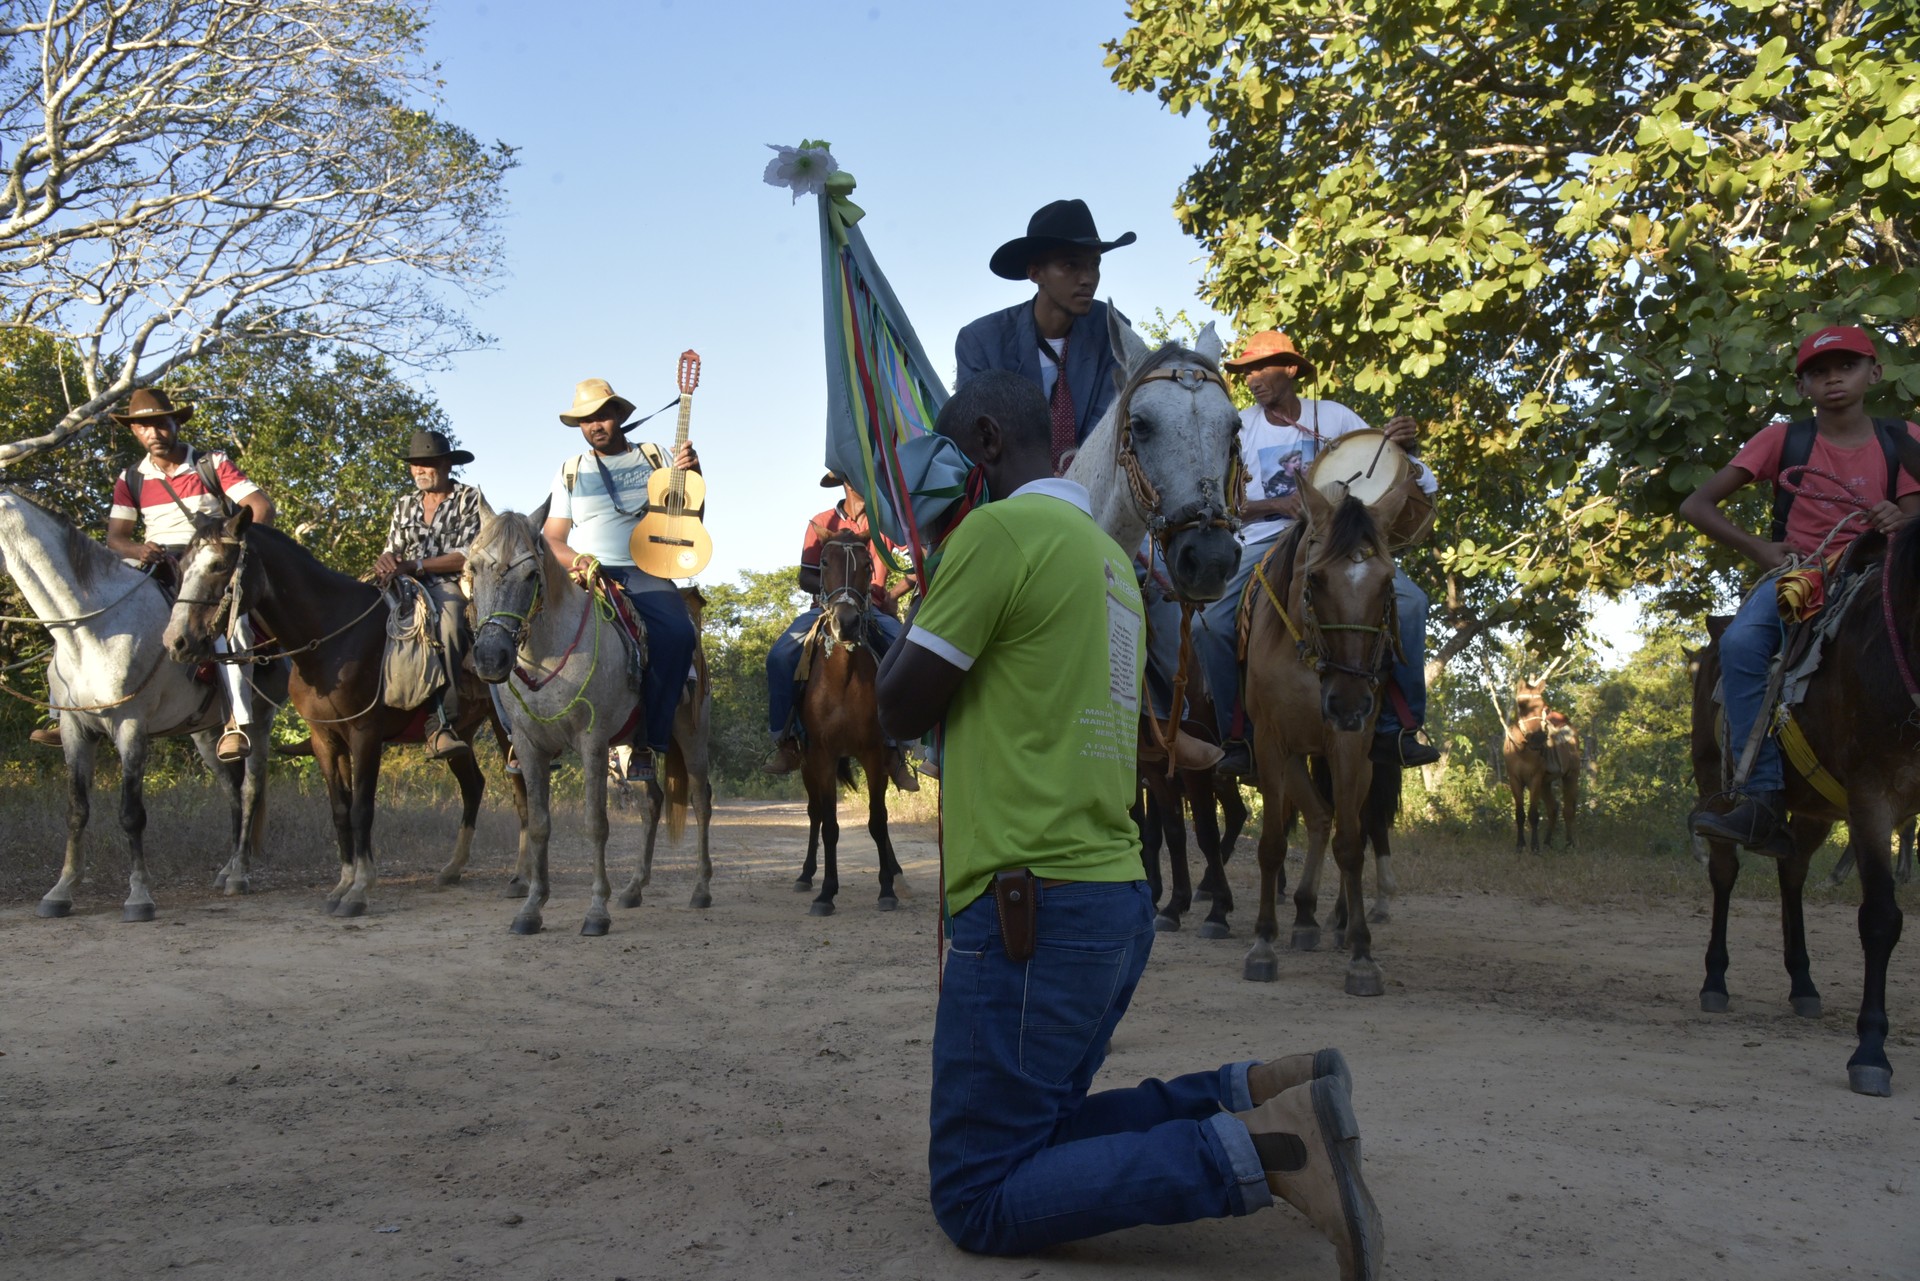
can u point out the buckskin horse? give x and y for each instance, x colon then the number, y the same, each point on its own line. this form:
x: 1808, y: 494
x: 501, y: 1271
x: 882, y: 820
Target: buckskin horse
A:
x: 334, y: 629
x: 561, y: 655
x: 1541, y: 753
x: 1320, y: 634
x: 1860, y: 717
x: 110, y: 679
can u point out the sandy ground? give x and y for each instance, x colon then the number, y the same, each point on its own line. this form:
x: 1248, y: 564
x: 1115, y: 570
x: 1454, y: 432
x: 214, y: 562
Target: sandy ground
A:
x: 249, y: 1088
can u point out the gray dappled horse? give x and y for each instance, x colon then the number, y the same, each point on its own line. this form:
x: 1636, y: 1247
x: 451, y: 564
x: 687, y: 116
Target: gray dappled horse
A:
x: 110, y: 679
x: 575, y: 693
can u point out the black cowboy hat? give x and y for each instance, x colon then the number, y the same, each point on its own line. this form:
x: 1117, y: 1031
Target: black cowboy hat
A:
x: 149, y: 403
x: 433, y: 447
x: 831, y: 480
x: 1062, y: 224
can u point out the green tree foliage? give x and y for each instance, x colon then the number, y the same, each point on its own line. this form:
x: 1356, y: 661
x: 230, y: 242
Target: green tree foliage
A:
x: 1579, y: 250
x: 742, y: 621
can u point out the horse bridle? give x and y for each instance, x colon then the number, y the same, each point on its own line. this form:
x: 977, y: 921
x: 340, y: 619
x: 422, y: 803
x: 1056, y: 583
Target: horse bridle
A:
x: 231, y: 595
x: 523, y: 622
x: 1209, y: 511
x: 862, y: 599
x: 1313, y: 642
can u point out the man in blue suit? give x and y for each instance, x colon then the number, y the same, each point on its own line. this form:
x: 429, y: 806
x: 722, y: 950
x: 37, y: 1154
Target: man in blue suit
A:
x: 1062, y: 325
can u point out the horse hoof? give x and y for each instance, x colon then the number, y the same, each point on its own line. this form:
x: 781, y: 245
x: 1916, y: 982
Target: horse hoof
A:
x: 239, y: 885
x: 524, y: 925
x: 1713, y: 1002
x: 446, y: 879
x: 1379, y: 916
x: 1306, y: 940
x: 595, y: 927
x: 53, y: 910
x: 1165, y: 924
x: 1339, y: 940
x: 629, y: 898
x: 220, y: 880
x: 1365, y: 980
x: 1215, y: 930
x: 1202, y: 893
x: 1261, y: 967
x: 702, y: 900
x: 137, y: 912
x: 1807, y: 1007
x: 887, y: 903
x: 1867, y: 1079
x: 817, y: 908
x: 516, y: 887
x: 802, y: 884
x: 350, y: 908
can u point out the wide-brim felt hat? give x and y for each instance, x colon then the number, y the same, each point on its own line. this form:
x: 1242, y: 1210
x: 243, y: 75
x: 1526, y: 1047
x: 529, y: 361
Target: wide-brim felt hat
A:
x: 1064, y: 224
x: 589, y: 396
x: 149, y: 403
x: 433, y: 447
x: 1271, y: 345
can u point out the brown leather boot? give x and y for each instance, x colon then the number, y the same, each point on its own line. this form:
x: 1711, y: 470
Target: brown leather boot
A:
x: 1309, y: 1143
x: 234, y: 745
x: 443, y: 744
x: 786, y: 758
x: 898, y: 771
x: 1276, y: 1076
x: 1193, y: 753
x: 47, y: 736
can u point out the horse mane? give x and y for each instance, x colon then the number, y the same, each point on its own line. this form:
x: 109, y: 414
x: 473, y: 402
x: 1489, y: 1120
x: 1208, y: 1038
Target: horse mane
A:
x: 1351, y: 530
x: 1166, y: 354
x: 283, y: 539
x: 90, y: 558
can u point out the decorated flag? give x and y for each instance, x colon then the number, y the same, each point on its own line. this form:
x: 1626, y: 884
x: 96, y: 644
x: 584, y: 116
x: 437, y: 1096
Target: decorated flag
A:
x: 882, y: 393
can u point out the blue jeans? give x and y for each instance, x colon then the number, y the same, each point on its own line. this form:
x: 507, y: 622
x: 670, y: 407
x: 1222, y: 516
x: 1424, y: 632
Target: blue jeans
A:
x: 670, y: 642
x: 1223, y: 669
x: 1021, y: 1156
x: 783, y: 662
x: 1747, y: 648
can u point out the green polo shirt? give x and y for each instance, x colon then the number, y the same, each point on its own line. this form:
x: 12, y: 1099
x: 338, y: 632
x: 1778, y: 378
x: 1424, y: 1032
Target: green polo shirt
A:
x: 1039, y: 607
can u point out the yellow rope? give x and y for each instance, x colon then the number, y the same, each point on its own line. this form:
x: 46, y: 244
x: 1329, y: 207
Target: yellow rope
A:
x: 1793, y: 740
x: 1259, y: 572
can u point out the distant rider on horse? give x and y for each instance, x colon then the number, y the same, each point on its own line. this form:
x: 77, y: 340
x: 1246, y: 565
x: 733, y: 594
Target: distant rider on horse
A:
x: 598, y: 498
x: 171, y: 488
x: 427, y: 541
x: 849, y: 515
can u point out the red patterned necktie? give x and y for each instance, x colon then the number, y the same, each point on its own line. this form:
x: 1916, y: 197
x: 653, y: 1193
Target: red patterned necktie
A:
x: 1062, y: 407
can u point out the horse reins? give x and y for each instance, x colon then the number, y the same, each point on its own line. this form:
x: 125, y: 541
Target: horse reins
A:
x: 231, y: 598
x: 1309, y: 641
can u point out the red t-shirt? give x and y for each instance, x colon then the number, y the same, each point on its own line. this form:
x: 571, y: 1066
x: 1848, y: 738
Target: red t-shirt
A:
x: 825, y: 526
x: 1864, y: 469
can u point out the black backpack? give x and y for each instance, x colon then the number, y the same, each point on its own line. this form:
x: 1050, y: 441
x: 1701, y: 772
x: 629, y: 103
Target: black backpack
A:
x: 1798, y: 448
x: 209, y: 476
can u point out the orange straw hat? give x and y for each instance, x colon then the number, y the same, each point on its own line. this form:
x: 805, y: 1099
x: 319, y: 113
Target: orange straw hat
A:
x: 1271, y: 345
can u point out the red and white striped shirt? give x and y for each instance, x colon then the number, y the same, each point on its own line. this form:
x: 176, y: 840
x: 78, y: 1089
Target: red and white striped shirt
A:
x: 166, y: 524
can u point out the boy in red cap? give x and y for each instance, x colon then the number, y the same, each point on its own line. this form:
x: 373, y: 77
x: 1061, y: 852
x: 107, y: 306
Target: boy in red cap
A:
x: 1833, y: 370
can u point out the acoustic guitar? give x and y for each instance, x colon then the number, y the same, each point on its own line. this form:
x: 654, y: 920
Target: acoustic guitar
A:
x: 670, y: 541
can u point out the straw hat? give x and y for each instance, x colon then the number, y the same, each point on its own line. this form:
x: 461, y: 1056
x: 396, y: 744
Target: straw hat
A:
x: 1271, y: 345
x: 149, y: 403
x: 589, y: 396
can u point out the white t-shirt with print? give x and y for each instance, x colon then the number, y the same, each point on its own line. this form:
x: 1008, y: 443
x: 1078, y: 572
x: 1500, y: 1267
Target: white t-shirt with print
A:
x: 1278, y: 458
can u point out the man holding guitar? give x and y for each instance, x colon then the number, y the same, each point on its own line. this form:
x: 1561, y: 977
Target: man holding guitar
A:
x: 598, y: 499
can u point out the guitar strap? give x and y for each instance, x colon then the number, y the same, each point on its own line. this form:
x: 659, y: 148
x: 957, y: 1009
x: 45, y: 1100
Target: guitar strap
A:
x: 655, y: 459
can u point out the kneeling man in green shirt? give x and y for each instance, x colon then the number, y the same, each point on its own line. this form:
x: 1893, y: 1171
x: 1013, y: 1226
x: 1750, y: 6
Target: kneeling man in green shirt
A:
x: 1028, y: 651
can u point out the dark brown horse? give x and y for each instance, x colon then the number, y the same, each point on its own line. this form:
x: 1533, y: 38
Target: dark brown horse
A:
x: 1320, y: 637
x: 1858, y: 716
x: 840, y: 721
x: 334, y: 628
x: 1541, y: 753
x: 1210, y: 798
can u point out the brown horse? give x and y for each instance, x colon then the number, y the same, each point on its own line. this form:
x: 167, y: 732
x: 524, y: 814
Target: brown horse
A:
x: 334, y: 628
x: 840, y: 721
x: 1541, y: 752
x: 1858, y: 719
x: 1320, y: 637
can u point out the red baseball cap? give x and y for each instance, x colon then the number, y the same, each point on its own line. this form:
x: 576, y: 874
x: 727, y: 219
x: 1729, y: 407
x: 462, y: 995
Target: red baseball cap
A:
x: 1835, y: 338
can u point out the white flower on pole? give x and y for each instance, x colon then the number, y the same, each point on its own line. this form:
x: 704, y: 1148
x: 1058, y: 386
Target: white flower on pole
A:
x: 802, y: 169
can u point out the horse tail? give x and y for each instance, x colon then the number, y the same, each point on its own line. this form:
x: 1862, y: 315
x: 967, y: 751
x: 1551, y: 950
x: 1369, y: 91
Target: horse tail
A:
x: 674, y: 779
x: 845, y: 770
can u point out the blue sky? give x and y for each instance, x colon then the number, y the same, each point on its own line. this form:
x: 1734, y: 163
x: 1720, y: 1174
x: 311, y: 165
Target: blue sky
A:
x: 640, y: 226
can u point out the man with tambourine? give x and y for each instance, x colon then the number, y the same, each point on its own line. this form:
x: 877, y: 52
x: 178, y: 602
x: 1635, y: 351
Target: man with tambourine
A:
x: 1282, y: 436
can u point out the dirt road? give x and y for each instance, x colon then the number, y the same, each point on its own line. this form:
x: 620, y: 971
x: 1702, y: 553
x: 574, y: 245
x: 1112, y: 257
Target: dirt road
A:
x: 249, y: 1088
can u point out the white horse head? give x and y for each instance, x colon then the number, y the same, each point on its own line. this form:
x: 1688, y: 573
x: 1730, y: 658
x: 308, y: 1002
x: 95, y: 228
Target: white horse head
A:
x: 1181, y: 428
